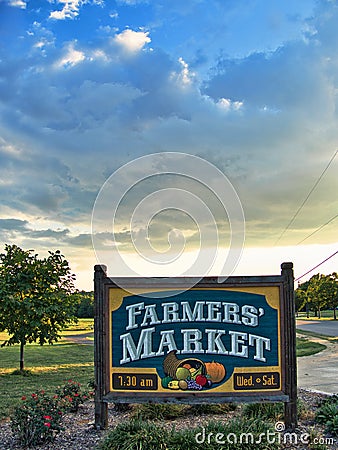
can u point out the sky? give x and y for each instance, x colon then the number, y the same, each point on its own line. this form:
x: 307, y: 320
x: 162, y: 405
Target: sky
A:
x: 88, y: 87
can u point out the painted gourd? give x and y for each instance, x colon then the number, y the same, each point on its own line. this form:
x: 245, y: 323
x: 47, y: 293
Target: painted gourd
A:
x: 216, y: 371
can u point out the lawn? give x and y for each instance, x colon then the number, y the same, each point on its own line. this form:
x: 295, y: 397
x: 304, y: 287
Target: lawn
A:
x: 307, y: 348
x: 83, y: 326
x: 50, y: 366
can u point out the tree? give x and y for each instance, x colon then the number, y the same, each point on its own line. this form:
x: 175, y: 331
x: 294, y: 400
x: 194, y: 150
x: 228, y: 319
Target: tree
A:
x: 36, y: 297
x: 317, y: 292
x: 330, y: 288
x: 301, y: 298
x: 85, y: 308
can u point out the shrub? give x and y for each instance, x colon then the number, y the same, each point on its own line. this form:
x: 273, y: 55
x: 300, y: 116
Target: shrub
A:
x: 211, y: 408
x: 72, y: 396
x: 223, y: 436
x: 158, y: 411
x: 139, y: 435
x: 136, y: 435
x: 233, y: 437
x: 37, y: 419
x: 170, y: 411
x: 122, y: 407
x: 265, y: 411
x: 327, y: 414
x: 271, y: 411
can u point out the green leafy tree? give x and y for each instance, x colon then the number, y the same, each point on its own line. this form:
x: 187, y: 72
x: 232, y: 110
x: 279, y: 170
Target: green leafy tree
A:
x: 302, y: 298
x: 86, y: 304
x: 330, y: 288
x: 317, y: 292
x: 36, y: 297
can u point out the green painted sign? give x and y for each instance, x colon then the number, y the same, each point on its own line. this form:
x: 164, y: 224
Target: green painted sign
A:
x: 187, y: 340
x: 200, y: 341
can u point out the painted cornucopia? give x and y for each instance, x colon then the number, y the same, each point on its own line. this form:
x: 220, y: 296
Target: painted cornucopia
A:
x: 190, y: 373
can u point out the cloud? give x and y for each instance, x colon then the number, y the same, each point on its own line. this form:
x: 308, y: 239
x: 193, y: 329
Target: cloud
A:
x: 71, y: 56
x: 275, y: 83
x: 70, y: 9
x: 13, y: 224
x: 132, y: 41
x: 25, y: 232
x: 18, y: 3
x: 132, y: 2
x: 75, y: 113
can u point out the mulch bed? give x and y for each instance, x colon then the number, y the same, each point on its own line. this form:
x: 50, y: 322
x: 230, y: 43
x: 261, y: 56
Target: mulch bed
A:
x: 80, y: 434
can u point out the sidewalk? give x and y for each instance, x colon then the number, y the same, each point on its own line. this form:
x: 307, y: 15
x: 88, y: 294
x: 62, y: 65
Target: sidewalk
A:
x: 319, y: 372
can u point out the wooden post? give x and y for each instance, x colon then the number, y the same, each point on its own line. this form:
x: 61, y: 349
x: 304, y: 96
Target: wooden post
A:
x: 290, y: 407
x: 101, y: 407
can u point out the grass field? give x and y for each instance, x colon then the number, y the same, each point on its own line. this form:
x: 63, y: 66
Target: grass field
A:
x: 83, y: 326
x: 50, y: 366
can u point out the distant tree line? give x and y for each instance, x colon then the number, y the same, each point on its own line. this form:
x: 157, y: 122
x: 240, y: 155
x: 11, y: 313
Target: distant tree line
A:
x: 317, y: 294
x: 85, y: 306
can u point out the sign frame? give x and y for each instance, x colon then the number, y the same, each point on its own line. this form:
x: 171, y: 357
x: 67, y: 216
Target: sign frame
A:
x: 102, y: 342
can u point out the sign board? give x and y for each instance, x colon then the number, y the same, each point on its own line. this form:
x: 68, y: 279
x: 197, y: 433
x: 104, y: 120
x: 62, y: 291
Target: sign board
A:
x: 214, y: 342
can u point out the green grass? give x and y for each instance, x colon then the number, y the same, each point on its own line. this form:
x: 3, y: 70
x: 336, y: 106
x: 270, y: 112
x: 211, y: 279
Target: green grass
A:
x: 50, y: 366
x: 271, y: 411
x: 317, y: 335
x: 138, y: 434
x: 83, y: 326
x: 307, y: 348
x: 157, y: 411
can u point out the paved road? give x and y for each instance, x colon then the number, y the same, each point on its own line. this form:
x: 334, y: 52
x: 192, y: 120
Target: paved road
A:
x: 327, y: 327
x: 80, y: 338
x: 319, y: 372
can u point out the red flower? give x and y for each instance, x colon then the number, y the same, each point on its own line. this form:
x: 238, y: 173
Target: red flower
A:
x: 47, y: 417
x: 23, y: 397
x: 34, y: 396
x: 42, y: 392
x: 47, y: 424
x: 76, y: 395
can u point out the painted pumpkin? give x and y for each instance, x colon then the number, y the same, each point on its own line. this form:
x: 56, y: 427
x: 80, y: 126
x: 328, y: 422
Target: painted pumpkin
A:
x: 216, y: 371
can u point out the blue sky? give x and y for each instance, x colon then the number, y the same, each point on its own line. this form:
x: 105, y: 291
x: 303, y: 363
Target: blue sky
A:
x: 251, y: 86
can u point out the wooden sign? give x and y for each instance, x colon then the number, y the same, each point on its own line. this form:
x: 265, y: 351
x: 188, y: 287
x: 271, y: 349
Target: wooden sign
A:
x: 156, y: 340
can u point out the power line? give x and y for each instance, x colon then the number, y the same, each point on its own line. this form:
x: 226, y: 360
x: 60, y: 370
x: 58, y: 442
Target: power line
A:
x: 315, y: 267
x: 306, y: 198
x: 318, y: 229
